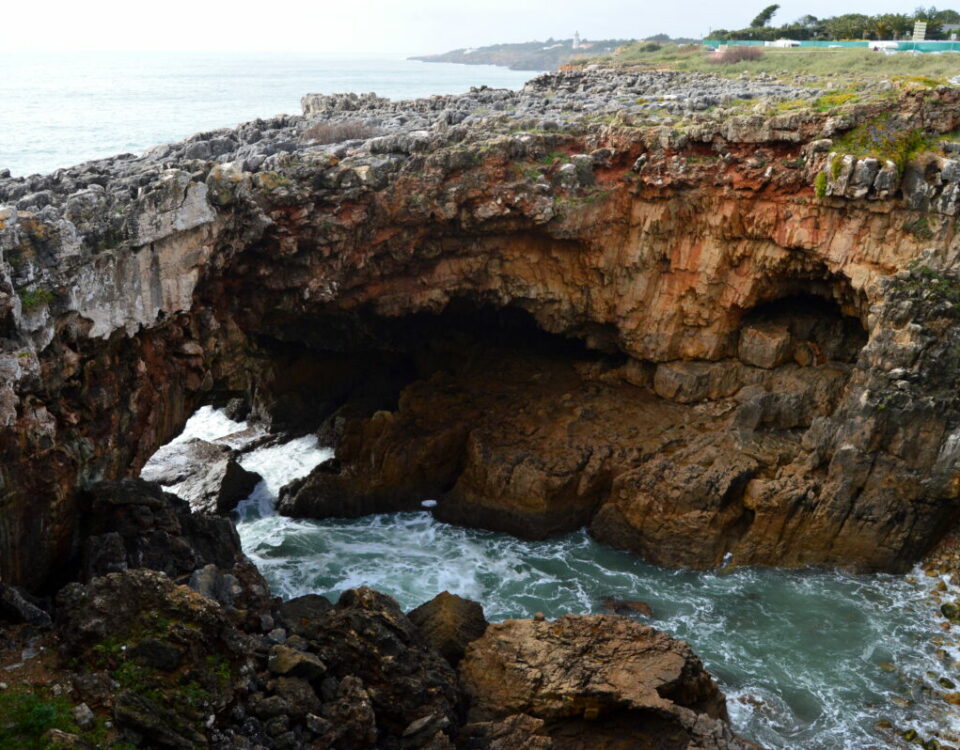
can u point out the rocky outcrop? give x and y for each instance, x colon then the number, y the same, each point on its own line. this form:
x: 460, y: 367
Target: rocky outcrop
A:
x: 204, y: 474
x: 449, y: 623
x: 805, y: 336
x: 600, y: 681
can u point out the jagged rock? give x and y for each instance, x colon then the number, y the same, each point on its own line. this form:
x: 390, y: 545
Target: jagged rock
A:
x: 448, y: 623
x: 515, y: 732
x: 204, y: 474
x: 366, y: 636
x: 135, y: 289
x: 289, y: 662
x: 595, y: 679
x: 132, y: 523
x: 349, y: 719
x: 304, y: 614
x: 143, y: 720
x: 150, y: 633
x: 14, y: 607
x: 57, y: 738
x: 626, y: 606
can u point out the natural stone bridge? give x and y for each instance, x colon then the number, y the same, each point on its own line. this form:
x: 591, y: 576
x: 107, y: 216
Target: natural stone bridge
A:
x: 668, y: 333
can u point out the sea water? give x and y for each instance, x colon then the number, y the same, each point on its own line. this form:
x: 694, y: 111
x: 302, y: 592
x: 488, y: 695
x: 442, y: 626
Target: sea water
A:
x: 59, y: 109
x: 809, y: 659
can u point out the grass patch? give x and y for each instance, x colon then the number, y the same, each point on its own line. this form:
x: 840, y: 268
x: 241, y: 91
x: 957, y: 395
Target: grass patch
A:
x: 33, y: 299
x: 919, y: 228
x: 820, y: 185
x: 885, y: 139
x: 25, y: 716
x: 821, y: 61
x: 834, y: 99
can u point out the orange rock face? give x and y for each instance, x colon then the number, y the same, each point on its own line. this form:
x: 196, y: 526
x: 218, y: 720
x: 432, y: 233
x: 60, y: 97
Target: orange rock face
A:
x: 763, y: 372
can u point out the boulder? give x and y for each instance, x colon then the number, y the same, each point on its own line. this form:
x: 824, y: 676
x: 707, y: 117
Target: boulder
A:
x: 204, y: 474
x: 134, y: 523
x: 302, y: 614
x: 596, y: 681
x: 366, y: 636
x: 16, y: 608
x: 764, y: 345
x: 290, y: 662
x: 448, y: 623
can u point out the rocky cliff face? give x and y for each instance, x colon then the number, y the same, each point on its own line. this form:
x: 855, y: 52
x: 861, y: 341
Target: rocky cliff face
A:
x: 585, y: 302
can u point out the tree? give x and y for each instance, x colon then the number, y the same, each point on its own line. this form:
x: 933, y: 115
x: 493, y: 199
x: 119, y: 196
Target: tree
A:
x: 891, y: 25
x: 847, y: 26
x: 763, y: 18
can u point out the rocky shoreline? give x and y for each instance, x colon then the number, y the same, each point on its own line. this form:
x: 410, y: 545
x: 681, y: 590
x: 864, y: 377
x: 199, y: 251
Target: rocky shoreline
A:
x: 170, y: 639
x: 680, y: 309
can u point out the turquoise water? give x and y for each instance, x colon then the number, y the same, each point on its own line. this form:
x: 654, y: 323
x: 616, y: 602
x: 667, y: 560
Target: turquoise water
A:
x: 808, y: 659
x: 60, y: 109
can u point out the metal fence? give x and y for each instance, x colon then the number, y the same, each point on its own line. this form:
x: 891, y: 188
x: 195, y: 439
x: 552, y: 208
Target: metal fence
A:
x: 905, y: 46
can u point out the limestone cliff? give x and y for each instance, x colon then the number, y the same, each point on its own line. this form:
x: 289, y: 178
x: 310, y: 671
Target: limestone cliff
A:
x: 768, y: 357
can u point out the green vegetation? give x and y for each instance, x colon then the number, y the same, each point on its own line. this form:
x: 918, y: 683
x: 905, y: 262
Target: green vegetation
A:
x: 764, y: 17
x: 856, y: 64
x: 820, y: 185
x: 846, y: 26
x: 919, y: 228
x: 25, y: 716
x: 834, y: 99
x: 32, y: 299
x: 933, y: 285
x: 883, y: 138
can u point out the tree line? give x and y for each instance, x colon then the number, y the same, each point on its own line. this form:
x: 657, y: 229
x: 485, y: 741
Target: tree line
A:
x: 846, y: 26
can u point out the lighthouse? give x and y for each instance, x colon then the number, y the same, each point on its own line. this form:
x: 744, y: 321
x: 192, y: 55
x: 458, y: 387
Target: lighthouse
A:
x: 576, y: 40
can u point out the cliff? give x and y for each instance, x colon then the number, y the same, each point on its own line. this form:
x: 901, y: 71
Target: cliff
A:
x: 539, y: 56
x: 618, y: 299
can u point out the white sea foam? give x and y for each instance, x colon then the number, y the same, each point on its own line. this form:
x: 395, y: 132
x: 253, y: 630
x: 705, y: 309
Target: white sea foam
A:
x: 808, y: 659
x: 208, y: 423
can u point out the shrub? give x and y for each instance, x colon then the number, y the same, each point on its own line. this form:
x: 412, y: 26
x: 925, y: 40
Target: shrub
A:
x: 885, y: 138
x: 335, y: 132
x: 33, y: 299
x: 733, y: 55
x: 820, y: 185
x: 25, y: 716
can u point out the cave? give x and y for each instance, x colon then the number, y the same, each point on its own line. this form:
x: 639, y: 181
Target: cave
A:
x: 811, y: 328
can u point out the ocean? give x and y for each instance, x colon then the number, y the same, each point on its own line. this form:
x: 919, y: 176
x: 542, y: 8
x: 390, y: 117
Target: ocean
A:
x: 808, y: 659
x: 60, y: 109
x: 760, y: 631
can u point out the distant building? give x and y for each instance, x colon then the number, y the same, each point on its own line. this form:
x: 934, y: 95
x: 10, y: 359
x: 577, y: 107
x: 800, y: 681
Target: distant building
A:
x: 576, y: 40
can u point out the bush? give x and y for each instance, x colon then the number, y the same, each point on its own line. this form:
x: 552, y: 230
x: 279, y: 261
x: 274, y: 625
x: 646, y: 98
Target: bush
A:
x: 25, y: 717
x: 733, y: 55
x: 335, y: 132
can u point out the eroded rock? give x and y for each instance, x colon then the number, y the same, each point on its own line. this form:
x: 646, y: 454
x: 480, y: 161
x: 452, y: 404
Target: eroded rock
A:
x: 449, y: 623
x: 603, y: 677
x: 204, y: 474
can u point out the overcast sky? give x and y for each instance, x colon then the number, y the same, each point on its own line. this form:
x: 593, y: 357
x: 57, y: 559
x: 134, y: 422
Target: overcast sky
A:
x: 373, y: 27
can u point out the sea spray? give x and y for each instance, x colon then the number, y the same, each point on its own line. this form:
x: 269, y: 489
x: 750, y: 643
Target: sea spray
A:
x: 809, y: 659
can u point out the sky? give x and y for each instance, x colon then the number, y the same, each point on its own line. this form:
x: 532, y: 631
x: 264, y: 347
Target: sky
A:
x: 387, y: 28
